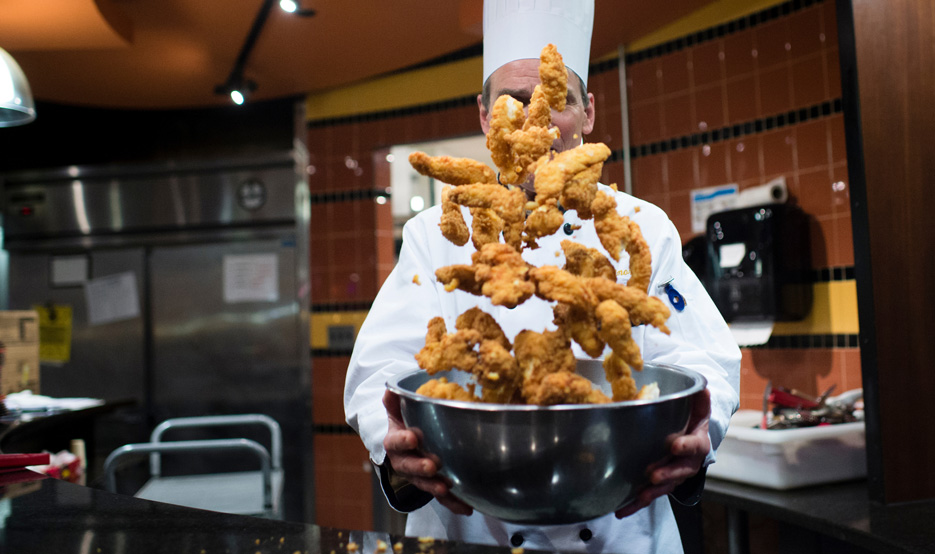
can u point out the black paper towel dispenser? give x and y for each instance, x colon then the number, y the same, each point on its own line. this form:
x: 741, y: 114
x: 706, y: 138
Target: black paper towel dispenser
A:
x: 758, y: 263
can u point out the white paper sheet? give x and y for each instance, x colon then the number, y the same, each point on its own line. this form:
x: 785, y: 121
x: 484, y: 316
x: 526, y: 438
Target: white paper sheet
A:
x: 112, y: 298
x: 251, y: 278
x: 751, y: 334
x: 707, y: 201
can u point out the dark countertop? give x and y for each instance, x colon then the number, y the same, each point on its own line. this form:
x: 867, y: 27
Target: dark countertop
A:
x: 48, y: 515
x: 842, y: 511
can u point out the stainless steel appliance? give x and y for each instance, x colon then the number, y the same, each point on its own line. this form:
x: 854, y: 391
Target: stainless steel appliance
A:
x: 187, y: 286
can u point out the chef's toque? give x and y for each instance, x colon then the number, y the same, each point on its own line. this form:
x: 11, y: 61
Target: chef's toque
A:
x: 519, y: 29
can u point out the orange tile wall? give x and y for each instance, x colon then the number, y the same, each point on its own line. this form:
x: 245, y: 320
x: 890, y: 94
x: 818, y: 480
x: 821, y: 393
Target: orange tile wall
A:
x: 351, y: 253
x: 787, y: 63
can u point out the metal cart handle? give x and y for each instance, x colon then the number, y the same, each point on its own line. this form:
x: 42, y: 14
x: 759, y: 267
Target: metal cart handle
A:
x: 218, y: 421
x: 110, y: 465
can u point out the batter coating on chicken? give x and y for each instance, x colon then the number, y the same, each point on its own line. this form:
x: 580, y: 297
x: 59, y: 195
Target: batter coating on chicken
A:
x: 580, y: 191
x: 508, y: 203
x: 553, y: 76
x: 498, y: 272
x: 453, y: 171
x: 552, y: 175
x: 444, y: 351
x: 615, y: 232
x: 498, y: 374
x: 643, y: 309
x: 565, y: 387
x: 615, y: 329
x: 506, y: 116
x: 458, y: 276
x: 452, y: 221
x: 486, y: 226
x: 620, y: 377
x: 446, y: 390
x: 539, y: 354
x: 586, y: 262
x: 581, y: 326
x: 559, y: 285
x: 484, y: 323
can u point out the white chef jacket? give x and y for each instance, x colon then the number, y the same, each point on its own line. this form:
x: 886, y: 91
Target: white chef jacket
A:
x: 395, y: 329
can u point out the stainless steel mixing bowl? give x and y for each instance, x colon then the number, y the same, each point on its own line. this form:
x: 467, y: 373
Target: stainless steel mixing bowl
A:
x: 556, y: 464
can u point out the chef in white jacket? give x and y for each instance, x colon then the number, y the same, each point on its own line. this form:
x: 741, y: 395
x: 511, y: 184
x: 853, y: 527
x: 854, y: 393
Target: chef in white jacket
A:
x: 395, y: 328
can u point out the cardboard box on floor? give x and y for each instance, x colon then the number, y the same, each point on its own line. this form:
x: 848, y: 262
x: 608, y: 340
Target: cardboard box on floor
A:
x: 19, y: 333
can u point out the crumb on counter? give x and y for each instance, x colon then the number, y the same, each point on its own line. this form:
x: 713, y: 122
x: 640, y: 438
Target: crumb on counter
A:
x: 398, y: 547
x: 517, y: 550
x: 352, y: 546
x: 381, y: 547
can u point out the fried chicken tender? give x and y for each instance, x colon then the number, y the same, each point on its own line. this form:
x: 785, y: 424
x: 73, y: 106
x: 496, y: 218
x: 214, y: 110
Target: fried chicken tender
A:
x: 453, y: 171
x: 452, y: 221
x: 503, y: 274
x: 559, y: 285
x: 506, y: 116
x: 444, y: 351
x: 553, y: 76
x: 508, y: 203
x: 565, y: 387
x: 643, y: 309
x: 615, y: 232
x: 586, y: 262
x: 445, y: 390
x: 459, y: 276
x: 539, y: 113
x: 498, y: 374
x: 581, y: 326
x: 620, y: 377
x: 580, y: 191
x: 552, y: 175
x: 486, y: 226
x: 542, y: 222
x: 539, y: 354
x: 615, y: 330
x: 528, y: 145
x: 479, y: 320
x: 498, y: 272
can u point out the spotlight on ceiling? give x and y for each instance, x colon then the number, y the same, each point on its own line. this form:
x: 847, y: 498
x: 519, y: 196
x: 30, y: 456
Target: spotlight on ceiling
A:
x: 239, y: 90
x: 295, y: 7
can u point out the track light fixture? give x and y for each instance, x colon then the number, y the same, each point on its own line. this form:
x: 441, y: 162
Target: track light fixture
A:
x: 295, y: 7
x: 239, y: 89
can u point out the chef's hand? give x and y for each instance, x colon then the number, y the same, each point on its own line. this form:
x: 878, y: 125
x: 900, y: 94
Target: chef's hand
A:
x: 402, y: 453
x: 688, y: 454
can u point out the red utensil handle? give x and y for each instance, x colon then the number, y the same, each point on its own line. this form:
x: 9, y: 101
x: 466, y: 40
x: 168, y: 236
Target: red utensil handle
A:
x: 23, y: 460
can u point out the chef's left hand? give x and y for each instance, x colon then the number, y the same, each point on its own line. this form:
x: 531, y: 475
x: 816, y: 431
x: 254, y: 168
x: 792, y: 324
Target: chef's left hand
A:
x: 688, y: 451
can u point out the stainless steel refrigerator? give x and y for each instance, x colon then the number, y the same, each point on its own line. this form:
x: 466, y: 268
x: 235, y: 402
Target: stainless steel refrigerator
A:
x: 188, y: 291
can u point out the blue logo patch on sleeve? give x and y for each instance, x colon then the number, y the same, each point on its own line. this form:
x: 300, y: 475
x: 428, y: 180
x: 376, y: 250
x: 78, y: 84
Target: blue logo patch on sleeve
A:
x: 677, y: 300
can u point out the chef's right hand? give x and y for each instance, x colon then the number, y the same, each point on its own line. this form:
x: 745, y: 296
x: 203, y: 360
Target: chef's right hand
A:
x: 407, y: 462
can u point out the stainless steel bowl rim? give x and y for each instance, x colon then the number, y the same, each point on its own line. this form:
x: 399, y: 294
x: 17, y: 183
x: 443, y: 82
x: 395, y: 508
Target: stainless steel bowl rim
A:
x: 699, y: 384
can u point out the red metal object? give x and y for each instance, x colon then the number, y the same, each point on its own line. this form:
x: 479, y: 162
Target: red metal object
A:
x: 791, y: 399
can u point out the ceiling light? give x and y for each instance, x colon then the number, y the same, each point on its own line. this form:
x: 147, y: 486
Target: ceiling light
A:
x: 16, y: 103
x: 288, y: 5
x: 238, y: 89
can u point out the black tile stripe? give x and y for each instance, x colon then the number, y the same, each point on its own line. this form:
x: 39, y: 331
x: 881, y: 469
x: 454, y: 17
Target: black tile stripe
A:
x: 341, y: 306
x: 736, y: 130
x: 828, y: 274
x: 469, y: 100
x: 329, y: 353
x: 810, y: 341
x: 347, y: 195
x: 722, y: 30
x: 332, y: 429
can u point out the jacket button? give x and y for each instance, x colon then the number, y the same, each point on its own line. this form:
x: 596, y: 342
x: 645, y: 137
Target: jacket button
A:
x: 567, y: 228
x: 585, y: 534
x: 516, y: 540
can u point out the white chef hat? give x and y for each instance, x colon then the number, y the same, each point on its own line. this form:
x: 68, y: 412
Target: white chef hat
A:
x: 519, y: 29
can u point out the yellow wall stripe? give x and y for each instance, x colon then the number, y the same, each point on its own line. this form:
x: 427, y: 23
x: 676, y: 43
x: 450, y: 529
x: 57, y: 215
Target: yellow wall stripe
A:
x: 834, y: 312
x: 320, y: 322
x: 422, y: 86
x: 711, y: 15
